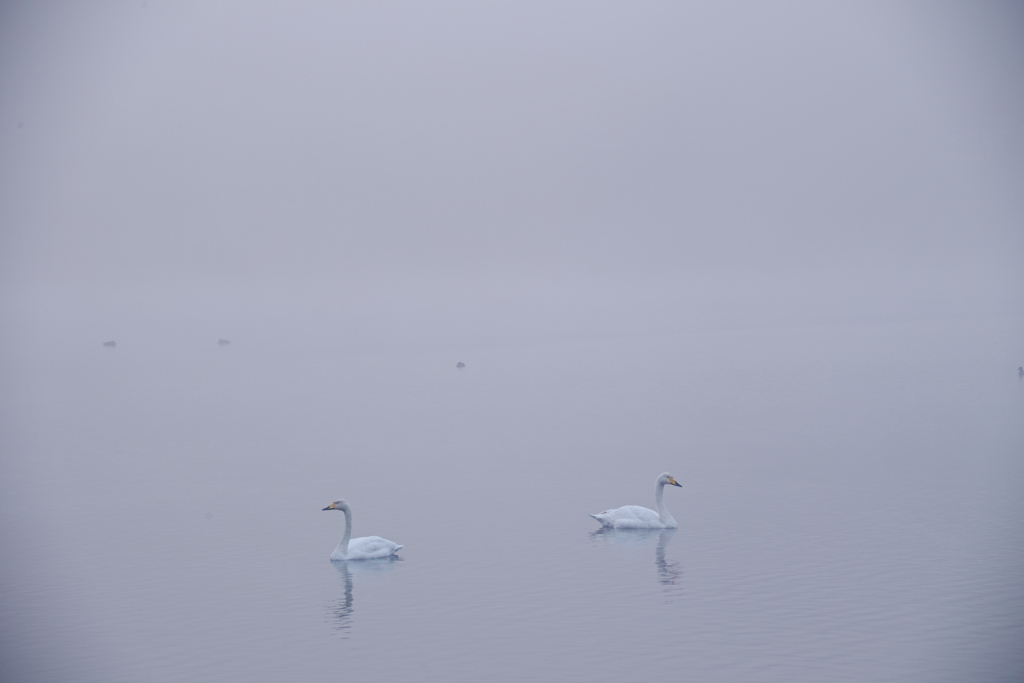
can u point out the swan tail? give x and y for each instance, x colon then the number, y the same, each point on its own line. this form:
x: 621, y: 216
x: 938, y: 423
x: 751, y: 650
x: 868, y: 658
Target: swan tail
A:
x: 397, y: 548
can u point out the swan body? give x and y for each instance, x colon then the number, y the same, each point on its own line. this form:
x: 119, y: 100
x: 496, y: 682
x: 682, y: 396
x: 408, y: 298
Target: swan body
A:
x: 637, y: 517
x: 364, y: 548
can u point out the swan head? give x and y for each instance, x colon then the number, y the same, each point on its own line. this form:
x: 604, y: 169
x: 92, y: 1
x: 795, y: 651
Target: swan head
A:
x: 667, y: 478
x: 338, y: 505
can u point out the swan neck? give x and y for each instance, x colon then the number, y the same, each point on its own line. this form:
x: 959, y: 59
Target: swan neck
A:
x: 348, y: 530
x: 659, y: 501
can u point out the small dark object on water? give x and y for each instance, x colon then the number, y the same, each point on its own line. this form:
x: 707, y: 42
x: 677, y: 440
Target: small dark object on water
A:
x: 110, y: 344
x: 460, y: 365
x: 223, y: 342
x: 1020, y: 371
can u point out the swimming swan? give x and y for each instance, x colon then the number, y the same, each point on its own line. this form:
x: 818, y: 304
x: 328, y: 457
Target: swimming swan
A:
x: 365, y: 548
x: 636, y: 517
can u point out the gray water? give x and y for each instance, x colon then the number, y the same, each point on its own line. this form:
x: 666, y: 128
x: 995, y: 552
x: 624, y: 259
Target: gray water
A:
x: 851, y: 508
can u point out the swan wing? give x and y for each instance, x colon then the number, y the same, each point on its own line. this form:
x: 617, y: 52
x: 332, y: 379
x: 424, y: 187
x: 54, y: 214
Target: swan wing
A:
x: 371, y: 548
x: 630, y: 517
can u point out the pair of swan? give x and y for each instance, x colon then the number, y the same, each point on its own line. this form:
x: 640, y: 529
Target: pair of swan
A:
x: 626, y: 517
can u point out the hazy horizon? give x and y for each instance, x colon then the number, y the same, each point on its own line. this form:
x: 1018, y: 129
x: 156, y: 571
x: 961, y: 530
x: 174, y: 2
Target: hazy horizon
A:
x: 631, y: 165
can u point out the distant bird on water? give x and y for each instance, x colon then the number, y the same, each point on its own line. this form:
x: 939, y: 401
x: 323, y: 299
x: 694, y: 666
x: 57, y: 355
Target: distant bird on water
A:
x: 110, y: 344
x: 223, y: 342
x: 1020, y: 372
x: 460, y: 365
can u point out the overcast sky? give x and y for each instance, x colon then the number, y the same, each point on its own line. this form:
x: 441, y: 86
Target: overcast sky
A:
x: 846, y: 159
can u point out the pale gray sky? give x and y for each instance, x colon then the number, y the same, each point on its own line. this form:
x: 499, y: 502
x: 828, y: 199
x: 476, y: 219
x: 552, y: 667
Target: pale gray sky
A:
x: 644, y: 159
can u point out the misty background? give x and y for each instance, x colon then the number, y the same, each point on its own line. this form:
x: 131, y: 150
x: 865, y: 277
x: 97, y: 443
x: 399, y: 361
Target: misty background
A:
x: 452, y: 173
x: 774, y: 248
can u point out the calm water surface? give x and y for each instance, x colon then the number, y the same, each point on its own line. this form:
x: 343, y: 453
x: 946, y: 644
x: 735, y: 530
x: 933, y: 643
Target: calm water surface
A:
x: 851, y: 509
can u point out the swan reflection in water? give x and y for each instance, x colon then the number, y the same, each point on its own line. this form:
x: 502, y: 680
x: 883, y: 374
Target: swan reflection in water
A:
x: 670, y: 572
x: 340, y: 610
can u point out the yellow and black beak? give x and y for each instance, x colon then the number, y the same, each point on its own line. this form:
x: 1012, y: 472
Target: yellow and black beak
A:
x: 672, y: 480
x: 332, y: 506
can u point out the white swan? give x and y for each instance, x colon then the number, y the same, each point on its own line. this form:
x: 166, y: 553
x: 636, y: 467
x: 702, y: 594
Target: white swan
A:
x: 636, y: 517
x: 365, y: 548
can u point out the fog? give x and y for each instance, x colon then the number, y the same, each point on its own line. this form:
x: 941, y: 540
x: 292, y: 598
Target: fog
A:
x: 584, y: 168
x: 651, y: 202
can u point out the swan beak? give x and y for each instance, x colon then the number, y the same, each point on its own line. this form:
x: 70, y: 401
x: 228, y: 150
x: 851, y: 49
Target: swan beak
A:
x: 672, y: 480
x: 329, y: 507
